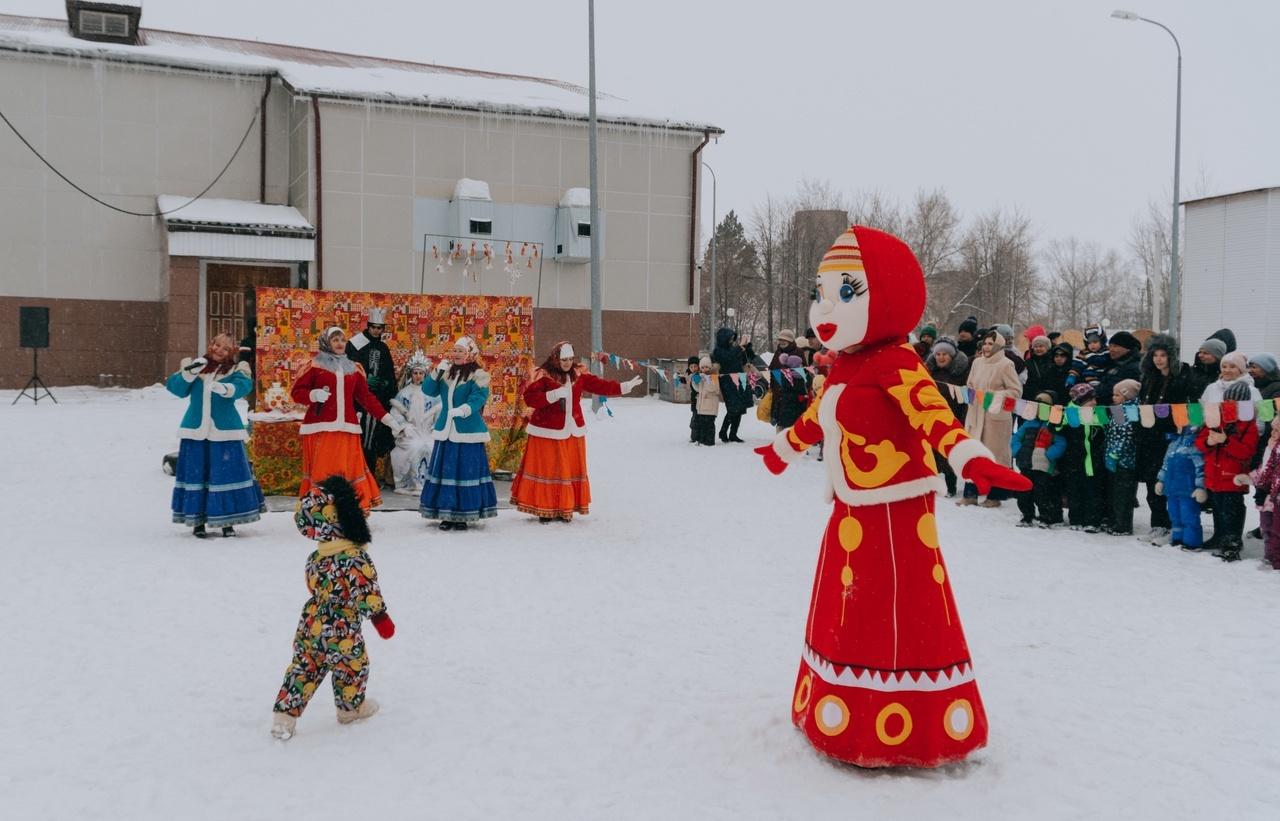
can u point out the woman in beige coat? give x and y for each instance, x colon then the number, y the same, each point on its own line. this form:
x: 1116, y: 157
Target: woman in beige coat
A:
x: 992, y: 372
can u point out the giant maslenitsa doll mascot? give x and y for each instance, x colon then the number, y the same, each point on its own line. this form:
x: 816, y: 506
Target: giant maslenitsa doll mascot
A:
x: 885, y: 678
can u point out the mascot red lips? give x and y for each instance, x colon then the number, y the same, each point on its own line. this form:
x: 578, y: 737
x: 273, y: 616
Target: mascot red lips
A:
x: 885, y: 676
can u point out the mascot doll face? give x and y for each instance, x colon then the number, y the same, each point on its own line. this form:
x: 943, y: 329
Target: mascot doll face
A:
x: 869, y: 288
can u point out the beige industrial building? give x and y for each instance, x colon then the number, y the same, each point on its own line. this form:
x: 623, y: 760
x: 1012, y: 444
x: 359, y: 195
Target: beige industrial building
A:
x: 337, y: 171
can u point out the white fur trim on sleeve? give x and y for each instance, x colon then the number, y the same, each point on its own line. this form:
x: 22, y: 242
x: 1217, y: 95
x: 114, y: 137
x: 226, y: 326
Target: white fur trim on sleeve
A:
x: 965, y: 450
x: 782, y: 447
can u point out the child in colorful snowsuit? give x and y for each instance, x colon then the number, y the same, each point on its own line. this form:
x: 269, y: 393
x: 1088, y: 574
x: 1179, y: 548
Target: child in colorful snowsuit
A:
x: 1095, y: 355
x: 1083, y: 466
x: 1267, y: 481
x: 344, y: 590
x: 1037, y: 447
x: 691, y: 367
x: 1181, y: 482
x: 1122, y: 456
x: 708, y: 402
x: 1228, y: 450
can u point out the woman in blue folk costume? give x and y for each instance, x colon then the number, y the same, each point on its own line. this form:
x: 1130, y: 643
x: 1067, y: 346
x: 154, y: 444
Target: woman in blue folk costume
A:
x: 459, y: 488
x: 215, y: 485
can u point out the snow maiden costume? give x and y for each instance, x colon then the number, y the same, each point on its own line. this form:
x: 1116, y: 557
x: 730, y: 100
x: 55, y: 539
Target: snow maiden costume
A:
x: 459, y: 488
x: 412, y: 453
x: 330, y: 388
x: 344, y: 590
x: 214, y: 484
x: 886, y: 678
x: 552, y: 481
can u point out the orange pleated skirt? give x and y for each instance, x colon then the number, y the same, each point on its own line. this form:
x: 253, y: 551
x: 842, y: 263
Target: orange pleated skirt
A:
x: 552, y: 481
x: 335, y: 453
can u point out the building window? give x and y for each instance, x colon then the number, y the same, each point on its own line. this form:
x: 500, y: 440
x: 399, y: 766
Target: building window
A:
x: 584, y: 229
x: 482, y: 227
x: 104, y: 24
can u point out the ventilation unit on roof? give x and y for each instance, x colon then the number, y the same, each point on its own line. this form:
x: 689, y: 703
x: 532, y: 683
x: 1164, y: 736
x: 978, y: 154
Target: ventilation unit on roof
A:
x: 104, y: 22
x: 471, y: 209
x: 573, y: 227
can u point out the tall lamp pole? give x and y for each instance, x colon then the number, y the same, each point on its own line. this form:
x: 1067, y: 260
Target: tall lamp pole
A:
x: 1175, y: 268
x: 713, y: 254
x: 597, y: 324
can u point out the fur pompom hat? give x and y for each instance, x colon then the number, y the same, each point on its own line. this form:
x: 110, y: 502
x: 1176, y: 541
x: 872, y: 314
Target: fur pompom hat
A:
x: 331, y: 510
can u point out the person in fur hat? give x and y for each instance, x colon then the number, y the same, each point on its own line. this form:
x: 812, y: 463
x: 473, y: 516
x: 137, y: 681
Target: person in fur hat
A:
x: 368, y: 350
x: 344, y: 591
x: 882, y: 607
x: 331, y: 387
x: 1122, y: 456
x: 213, y: 480
x: 1095, y: 354
x: 1037, y: 447
x: 552, y: 481
x: 1181, y: 482
x: 1228, y: 447
x: 459, y: 488
x: 1165, y: 381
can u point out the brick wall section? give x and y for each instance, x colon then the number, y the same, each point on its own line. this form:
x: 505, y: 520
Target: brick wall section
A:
x: 91, y: 342
x: 182, y: 312
x: 633, y: 334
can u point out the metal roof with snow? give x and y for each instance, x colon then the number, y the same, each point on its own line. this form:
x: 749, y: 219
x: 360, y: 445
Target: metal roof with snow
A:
x: 236, y: 229
x: 337, y: 75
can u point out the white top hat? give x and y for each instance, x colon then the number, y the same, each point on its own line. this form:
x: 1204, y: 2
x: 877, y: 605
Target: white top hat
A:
x: 377, y: 316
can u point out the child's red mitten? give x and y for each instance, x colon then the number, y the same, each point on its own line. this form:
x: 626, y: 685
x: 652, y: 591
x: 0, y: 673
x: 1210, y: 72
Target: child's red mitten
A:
x: 384, y: 625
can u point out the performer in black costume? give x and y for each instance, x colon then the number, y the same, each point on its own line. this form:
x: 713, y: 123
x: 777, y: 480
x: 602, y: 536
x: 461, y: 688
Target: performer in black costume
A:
x: 368, y: 349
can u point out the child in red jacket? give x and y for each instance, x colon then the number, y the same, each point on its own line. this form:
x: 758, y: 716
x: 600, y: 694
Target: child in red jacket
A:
x: 1228, y: 451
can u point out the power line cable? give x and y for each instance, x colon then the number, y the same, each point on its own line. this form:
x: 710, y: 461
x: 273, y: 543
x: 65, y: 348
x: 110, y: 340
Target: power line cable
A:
x: 69, y: 182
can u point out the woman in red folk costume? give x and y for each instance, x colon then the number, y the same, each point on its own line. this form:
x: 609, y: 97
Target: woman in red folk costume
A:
x: 330, y: 388
x: 885, y: 679
x: 552, y: 480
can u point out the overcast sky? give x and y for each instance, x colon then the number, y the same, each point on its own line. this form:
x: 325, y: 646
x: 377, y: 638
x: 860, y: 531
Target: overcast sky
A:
x: 1048, y: 106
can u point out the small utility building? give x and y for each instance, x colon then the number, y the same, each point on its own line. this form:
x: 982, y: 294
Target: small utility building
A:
x: 1231, y: 269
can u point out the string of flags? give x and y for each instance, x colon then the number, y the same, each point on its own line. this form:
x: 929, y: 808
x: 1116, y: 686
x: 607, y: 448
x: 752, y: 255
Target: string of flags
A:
x: 1211, y: 414
x: 742, y: 380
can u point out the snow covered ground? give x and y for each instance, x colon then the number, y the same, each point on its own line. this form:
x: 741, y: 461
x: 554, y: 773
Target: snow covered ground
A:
x: 637, y: 663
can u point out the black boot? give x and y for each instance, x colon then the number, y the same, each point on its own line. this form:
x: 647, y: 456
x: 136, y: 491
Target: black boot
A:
x: 733, y: 429
x: 459, y: 525
x: 445, y: 525
x: 228, y: 531
x: 198, y: 532
x: 546, y: 519
x: 1230, y: 550
x: 724, y: 430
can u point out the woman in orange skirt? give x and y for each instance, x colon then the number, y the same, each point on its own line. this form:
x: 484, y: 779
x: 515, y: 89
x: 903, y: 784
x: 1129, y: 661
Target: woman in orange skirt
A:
x: 552, y: 481
x: 330, y: 388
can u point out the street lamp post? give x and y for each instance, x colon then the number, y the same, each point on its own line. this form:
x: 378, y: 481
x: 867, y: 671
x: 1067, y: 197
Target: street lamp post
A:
x: 1175, y: 269
x: 713, y: 254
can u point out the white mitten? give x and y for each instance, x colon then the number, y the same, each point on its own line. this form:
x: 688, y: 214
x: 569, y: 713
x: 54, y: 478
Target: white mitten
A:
x: 1159, y: 488
x: 630, y: 384
x: 442, y: 367
x: 1241, y: 479
x: 1200, y: 495
x: 397, y: 427
x: 190, y: 368
x: 222, y: 389
x: 460, y: 412
x: 320, y: 395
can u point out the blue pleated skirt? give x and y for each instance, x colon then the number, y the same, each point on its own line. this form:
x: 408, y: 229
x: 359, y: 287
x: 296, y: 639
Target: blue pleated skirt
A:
x: 214, y: 485
x: 459, y: 487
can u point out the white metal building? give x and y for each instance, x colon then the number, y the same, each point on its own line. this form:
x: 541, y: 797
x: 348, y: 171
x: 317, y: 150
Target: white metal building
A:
x: 1231, y: 269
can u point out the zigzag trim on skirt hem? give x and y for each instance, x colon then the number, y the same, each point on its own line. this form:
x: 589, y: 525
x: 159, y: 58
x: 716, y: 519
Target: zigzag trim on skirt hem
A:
x: 543, y: 513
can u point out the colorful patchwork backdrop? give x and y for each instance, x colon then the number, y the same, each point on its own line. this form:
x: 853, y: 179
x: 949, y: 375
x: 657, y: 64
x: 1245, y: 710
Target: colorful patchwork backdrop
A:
x: 290, y: 319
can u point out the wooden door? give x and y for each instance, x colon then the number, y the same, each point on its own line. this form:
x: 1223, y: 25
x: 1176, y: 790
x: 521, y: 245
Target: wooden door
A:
x: 229, y: 295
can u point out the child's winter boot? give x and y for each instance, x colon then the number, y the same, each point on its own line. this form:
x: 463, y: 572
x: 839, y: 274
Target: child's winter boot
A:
x: 367, y: 708
x: 282, y: 726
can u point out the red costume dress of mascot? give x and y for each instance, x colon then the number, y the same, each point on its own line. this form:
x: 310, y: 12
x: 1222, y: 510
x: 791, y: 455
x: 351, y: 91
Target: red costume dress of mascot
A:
x: 886, y: 678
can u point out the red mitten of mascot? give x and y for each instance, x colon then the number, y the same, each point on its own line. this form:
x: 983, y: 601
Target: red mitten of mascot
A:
x: 885, y: 679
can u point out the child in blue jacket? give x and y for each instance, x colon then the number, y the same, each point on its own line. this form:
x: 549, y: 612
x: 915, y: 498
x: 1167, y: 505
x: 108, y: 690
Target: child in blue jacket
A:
x: 1181, y: 482
x: 1037, y: 446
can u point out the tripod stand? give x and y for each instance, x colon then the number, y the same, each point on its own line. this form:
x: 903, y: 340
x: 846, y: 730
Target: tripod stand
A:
x: 35, y: 384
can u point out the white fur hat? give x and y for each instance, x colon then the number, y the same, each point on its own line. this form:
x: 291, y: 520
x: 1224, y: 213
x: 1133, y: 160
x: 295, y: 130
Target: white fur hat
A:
x: 468, y: 344
x: 566, y: 351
